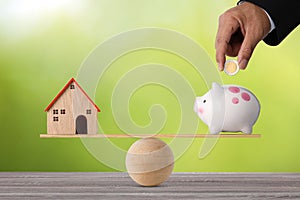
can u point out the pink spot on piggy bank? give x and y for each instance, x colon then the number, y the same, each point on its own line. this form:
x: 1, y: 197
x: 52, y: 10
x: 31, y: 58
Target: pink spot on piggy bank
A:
x: 234, y: 89
x: 246, y: 96
x: 235, y: 100
x: 225, y: 111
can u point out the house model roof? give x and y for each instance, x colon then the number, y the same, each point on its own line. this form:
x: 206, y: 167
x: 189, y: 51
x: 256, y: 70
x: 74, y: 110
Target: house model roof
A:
x: 72, y: 80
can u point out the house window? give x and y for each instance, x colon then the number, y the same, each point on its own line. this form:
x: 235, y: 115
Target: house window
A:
x: 63, y: 111
x: 88, y: 111
x: 55, y: 119
x: 55, y: 111
x: 72, y: 86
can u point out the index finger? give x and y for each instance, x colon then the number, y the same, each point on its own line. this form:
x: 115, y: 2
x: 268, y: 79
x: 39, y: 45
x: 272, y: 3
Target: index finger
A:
x: 227, y: 27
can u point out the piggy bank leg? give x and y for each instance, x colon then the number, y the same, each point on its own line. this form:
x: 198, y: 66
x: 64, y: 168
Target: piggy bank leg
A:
x: 214, y: 130
x: 247, y: 129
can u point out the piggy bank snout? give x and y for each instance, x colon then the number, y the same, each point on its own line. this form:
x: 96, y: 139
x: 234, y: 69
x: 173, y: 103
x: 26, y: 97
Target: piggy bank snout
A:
x: 196, y: 107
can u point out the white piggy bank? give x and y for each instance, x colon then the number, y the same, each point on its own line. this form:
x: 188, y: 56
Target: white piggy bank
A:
x: 228, y: 108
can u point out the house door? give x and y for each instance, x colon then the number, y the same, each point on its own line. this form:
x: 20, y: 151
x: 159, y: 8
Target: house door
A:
x: 81, y: 125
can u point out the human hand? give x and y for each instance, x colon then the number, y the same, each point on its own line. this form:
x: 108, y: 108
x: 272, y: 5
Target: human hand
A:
x: 240, y: 30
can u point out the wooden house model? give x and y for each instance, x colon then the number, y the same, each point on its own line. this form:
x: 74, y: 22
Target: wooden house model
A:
x: 72, y: 112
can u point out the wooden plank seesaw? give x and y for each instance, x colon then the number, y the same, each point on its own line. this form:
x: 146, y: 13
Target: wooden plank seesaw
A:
x: 224, y: 135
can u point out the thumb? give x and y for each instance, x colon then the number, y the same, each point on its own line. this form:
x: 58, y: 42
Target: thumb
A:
x: 246, y: 51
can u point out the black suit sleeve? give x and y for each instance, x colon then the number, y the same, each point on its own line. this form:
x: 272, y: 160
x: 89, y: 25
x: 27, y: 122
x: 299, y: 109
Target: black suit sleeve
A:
x: 285, y: 15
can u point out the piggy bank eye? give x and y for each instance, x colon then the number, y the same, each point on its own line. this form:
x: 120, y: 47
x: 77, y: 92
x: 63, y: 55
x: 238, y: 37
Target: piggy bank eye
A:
x: 204, y: 101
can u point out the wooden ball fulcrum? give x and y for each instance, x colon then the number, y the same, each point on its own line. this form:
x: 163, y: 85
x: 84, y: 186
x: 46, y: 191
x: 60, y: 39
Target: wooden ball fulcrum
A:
x: 149, y: 161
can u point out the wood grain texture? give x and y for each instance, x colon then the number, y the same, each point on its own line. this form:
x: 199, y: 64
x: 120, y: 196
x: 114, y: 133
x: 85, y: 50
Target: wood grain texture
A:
x: 149, y: 161
x: 65, y: 123
x: 149, y: 135
x: 80, y: 106
x: 218, y: 186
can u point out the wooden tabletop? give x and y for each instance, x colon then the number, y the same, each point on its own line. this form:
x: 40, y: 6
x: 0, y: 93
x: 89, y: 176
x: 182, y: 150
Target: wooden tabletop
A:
x: 98, y: 185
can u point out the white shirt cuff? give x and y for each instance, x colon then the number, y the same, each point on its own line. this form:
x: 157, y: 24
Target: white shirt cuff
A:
x: 271, y: 22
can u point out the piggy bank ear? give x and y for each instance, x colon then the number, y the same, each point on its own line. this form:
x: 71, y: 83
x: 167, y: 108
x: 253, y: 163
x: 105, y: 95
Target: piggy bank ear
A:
x: 217, y: 89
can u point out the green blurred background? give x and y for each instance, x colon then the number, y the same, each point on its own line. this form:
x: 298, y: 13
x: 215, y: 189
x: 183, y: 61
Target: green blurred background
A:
x: 43, y: 44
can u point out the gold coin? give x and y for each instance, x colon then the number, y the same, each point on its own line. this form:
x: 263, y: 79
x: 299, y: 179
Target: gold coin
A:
x: 231, y: 67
